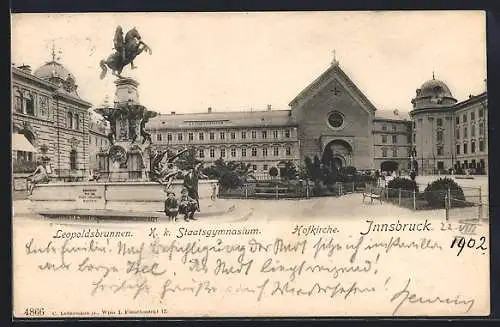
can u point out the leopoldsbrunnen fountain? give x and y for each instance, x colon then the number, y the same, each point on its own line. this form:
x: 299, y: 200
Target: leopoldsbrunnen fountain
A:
x: 126, y: 186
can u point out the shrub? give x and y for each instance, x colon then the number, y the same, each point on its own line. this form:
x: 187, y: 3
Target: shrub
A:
x: 435, y: 193
x: 403, y: 184
x: 273, y: 172
x: 289, y: 171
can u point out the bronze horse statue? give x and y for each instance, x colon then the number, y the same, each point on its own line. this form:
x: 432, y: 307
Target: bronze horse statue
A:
x: 126, y: 49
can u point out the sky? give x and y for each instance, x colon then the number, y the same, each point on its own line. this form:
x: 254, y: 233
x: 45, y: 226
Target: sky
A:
x: 243, y: 61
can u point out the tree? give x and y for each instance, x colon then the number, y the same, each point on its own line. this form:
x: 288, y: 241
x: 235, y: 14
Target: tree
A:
x: 273, y: 172
x: 229, y: 174
x: 187, y: 160
x: 289, y: 171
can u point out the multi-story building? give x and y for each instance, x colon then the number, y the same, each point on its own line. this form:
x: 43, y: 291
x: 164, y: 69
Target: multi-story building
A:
x: 448, y: 134
x: 263, y: 139
x: 332, y: 119
x: 50, y: 120
x: 391, y: 141
x: 98, y: 139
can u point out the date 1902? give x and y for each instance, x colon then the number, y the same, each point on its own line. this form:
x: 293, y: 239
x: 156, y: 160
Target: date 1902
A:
x: 34, y: 311
x: 461, y: 242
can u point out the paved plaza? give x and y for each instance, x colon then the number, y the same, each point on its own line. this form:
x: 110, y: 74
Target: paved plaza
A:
x: 325, y: 209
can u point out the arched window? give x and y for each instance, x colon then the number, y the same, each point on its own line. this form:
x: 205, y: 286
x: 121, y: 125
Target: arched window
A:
x: 69, y: 120
x: 76, y: 125
x: 72, y: 159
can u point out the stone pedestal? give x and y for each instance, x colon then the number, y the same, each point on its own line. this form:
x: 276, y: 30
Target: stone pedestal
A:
x: 126, y: 91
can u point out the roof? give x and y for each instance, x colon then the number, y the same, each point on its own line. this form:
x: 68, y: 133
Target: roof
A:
x: 52, y: 69
x: 392, y: 115
x: 472, y: 99
x: 435, y: 87
x: 268, y: 118
x: 334, y: 69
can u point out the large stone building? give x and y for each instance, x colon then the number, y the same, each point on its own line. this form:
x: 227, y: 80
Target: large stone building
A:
x: 332, y: 119
x: 446, y: 134
x: 263, y: 139
x: 49, y: 121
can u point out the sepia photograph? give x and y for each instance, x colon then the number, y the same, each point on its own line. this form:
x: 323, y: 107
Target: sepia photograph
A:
x: 251, y: 164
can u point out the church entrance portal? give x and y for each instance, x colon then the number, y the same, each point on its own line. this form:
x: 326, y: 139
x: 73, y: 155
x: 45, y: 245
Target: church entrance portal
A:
x: 337, y: 153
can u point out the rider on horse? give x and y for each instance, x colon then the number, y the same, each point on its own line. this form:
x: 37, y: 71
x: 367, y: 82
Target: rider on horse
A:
x: 126, y: 49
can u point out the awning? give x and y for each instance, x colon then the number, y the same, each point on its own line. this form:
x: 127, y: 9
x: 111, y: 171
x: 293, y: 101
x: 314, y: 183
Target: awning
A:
x: 21, y: 143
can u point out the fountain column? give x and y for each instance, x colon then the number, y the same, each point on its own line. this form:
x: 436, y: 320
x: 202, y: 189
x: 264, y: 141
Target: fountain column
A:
x: 124, y: 160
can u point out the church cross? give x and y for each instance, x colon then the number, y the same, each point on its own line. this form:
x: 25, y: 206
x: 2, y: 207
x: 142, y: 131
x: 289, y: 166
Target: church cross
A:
x: 335, y: 90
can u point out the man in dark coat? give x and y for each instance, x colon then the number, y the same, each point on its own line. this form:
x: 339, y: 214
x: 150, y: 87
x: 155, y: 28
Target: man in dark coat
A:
x: 191, y: 183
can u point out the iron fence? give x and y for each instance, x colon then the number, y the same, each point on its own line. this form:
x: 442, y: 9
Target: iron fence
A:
x: 468, y: 204
x: 278, y: 189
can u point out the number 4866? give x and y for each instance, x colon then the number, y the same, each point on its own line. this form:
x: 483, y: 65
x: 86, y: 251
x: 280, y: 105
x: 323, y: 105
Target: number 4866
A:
x: 34, y: 311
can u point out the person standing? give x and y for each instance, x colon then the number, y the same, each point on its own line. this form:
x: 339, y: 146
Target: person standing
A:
x: 214, y: 192
x: 191, y: 180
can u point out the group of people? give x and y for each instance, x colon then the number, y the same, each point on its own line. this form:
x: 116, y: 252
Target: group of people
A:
x: 185, y: 205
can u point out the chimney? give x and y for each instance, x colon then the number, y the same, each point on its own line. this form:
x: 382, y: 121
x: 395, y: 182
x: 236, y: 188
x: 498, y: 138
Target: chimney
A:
x: 209, y: 110
x: 268, y: 107
x: 172, y: 113
x: 25, y: 68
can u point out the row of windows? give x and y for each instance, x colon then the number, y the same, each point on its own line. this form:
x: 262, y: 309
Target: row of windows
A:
x: 439, y: 134
x: 222, y: 153
x: 103, y: 141
x: 223, y: 135
x: 394, y: 152
x: 24, y: 103
x: 472, y: 164
x: 394, y: 139
x: 394, y: 128
x: 73, y: 121
x: 472, y: 147
x: 472, y: 131
x: 439, y: 121
x: 472, y: 116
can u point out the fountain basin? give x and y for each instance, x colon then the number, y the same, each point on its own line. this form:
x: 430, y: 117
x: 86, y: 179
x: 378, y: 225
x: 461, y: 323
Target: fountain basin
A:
x: 114, y: 196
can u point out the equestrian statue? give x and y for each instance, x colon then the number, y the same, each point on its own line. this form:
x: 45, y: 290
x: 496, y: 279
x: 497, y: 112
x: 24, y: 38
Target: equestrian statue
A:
x: 126, y: 50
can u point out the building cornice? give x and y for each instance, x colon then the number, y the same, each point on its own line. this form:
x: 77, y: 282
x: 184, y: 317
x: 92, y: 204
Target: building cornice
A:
x: 32, y: 78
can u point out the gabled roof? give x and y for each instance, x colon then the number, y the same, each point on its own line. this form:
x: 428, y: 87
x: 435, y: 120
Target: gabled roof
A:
x: 333, y: 70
